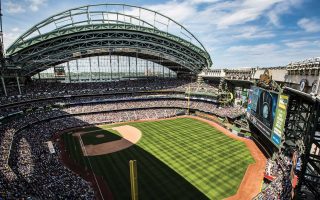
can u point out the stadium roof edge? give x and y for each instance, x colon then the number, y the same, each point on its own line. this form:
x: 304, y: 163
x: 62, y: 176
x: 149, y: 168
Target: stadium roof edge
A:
x: 35, y: 27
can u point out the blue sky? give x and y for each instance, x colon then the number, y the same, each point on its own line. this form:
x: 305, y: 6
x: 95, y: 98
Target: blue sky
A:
x: 237, y: 33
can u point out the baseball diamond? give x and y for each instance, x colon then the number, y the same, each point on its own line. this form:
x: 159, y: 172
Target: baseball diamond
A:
x: 176, y: 157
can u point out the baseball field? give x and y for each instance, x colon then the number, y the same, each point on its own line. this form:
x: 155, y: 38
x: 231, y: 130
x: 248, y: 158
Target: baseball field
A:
x: 180, y: 158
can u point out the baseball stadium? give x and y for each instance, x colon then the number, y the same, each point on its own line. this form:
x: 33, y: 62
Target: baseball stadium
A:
x: 117, y: 101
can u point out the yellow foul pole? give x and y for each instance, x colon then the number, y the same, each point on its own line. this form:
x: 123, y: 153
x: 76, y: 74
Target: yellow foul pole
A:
x: 133, y: 179
x: 189, y: 99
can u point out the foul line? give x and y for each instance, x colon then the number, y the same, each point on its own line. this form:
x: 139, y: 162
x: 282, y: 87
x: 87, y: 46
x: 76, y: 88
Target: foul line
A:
x: 94, y: 176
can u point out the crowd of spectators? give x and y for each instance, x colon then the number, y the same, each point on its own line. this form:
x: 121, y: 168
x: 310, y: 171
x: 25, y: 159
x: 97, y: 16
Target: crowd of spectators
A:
x: 6, y: 137
x: 273, y: 191
x: 282, y: 168
x: 23, y: 106
x: 30, y: 170
x: 48, y: 90
x: 42, y: 90
x: 100, y: 104
x: 195, y: 87
x: 229, y: 111
x: 272, y: 168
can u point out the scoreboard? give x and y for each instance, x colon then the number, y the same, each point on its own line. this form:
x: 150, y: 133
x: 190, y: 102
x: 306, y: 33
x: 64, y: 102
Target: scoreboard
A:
x: 267, y: 110
x: 59, y: 71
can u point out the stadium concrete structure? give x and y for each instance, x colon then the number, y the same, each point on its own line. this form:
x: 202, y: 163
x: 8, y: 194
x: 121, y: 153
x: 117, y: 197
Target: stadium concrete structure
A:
x: 98, y: 70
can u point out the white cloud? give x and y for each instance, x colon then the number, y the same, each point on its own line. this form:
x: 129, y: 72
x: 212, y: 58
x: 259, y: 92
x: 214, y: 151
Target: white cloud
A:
x: 252, y: 32
x: 202, y: 1
x: 13, y: 8
x: 307, y: 43
x: 297, y: 44
x: 176, y: 10
x: 240, y: 12
x: 253, y: 49
x: 11, y: 35
x: 246, y: 11
x: 309, y: 25
x: 282, y: 8
x: 266, y: 55
x: 179, y: 11
x: 34, y: 5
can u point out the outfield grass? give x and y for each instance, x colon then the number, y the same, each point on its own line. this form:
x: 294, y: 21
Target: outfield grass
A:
x: 177, y: 159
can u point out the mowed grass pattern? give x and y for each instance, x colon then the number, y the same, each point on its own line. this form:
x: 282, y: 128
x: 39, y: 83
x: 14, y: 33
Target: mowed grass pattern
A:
x: 177, y: 159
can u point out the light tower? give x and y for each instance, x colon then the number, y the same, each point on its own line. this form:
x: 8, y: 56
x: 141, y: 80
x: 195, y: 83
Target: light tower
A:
x: 1, y: 41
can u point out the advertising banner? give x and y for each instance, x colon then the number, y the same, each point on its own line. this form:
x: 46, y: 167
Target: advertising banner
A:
x: 280, y: 119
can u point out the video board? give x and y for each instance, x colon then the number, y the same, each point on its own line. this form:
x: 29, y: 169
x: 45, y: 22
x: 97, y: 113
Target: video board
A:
x: 267, y: 110
x: 59, y: 71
